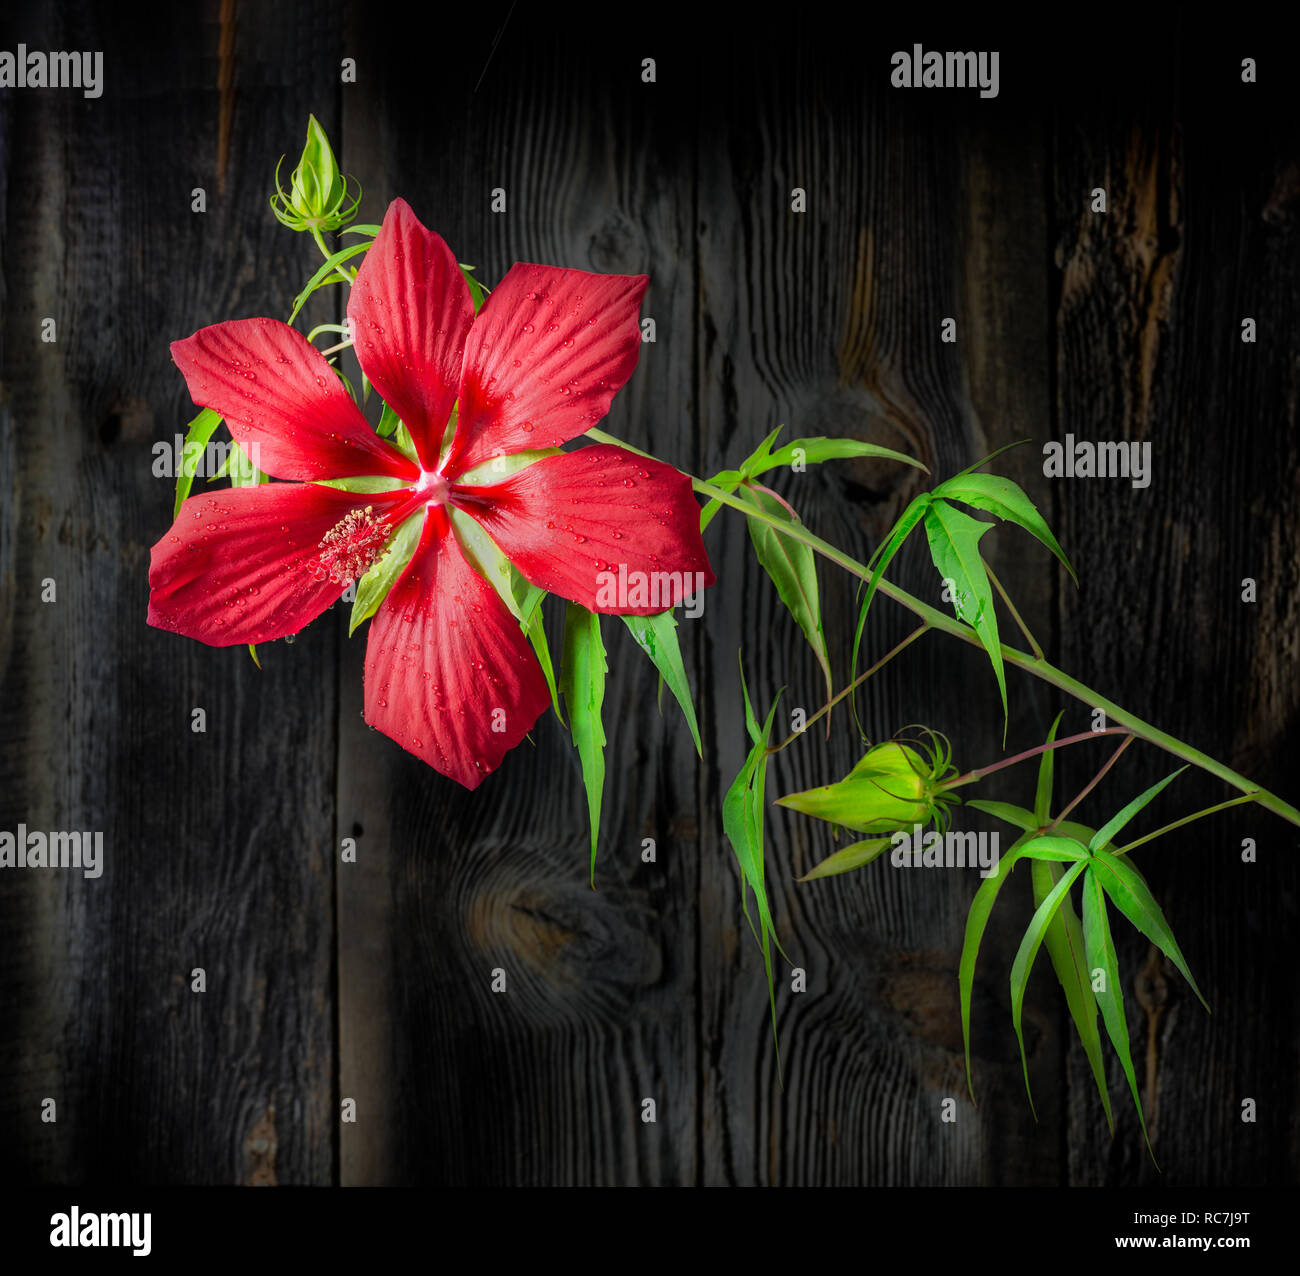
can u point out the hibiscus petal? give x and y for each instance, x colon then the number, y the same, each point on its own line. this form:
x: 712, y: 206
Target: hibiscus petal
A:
x: 410, y: 311
x: 578, y: 523
x: 546, y: 355
x: 241, y: 564
x: 449, y: 674
x: 279, y: 397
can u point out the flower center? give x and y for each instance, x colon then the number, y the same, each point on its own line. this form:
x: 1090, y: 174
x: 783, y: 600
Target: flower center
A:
x: 431, y: 488
x: 352, y: 546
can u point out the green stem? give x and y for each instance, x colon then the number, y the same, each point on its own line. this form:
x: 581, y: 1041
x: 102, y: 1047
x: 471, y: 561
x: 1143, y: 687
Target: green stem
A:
x: 1092, y: 784
x: 1187, y: 819
x: 1011, y: 607
x: 857, y: 682
x: 325, y: 252
x: 1035, y: 665
x: 971, y: 776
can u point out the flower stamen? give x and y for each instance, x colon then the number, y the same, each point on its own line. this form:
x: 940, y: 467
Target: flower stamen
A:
x: 352, y: 546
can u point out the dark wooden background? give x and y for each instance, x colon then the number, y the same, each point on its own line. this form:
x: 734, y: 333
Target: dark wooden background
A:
x: 372, y: 981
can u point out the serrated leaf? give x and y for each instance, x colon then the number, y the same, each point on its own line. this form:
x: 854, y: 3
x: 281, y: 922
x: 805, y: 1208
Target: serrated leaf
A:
x: 197, y: 434
x: 1016, y: 815
x: 1028, y: 950
x: 792, y: 567
x: 373, y: 587
x: 1131, y: 895
x: 742, y: 821
x: 1046, y: 765
x: 1064, y: 941
x: 582, y: 682
x: 847, y: 858
x: 1007, y: 500
x: 954, y: 546
x: 1100, y: 954
x: 880, y: 560
x: 657, y: 636
x: 1106, y: 834
x: 977, y: 921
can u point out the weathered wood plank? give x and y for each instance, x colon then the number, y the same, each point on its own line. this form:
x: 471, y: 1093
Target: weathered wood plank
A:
x: 1150, y: 298
x: 542, y: 1083
x: 216, y: 844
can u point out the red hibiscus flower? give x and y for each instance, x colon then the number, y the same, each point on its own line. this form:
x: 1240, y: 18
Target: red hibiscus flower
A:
x: 449, y: 674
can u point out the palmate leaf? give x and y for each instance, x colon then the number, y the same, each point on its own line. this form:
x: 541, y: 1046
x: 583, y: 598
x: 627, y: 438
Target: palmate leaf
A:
x: 1064, y: 942
x: 1105, y: 835
x: 582, y: 682
x: 954, y: 545
x: 1130, y: 894
x: 742, y: 821
x: 792, y: 566
x: 657, y: 637
x: 1028, y: 950
x: 1100, y: 954
x: 1005, y: 499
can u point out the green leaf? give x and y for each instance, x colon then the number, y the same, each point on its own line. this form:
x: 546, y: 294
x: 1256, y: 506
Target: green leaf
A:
x: 582, y: 682
x: 954, y: 546
x: 535, y: 629
x: 728, y: 480
x: 742, y: 820
x: 373, y: 587
x: 388, y: 422
x: 476, y: 289
x: 486, y: 558
x: 1046, y: 764
x: 657, y: 637
x: 197, y: 434
x: 1064, y: 941
x: 792, y: 567
x: 1105, y: 835
x: 977, y: 921
x: 1063, y: 849
x: 1007, y: 500
x: 1133, y: 898
x: 1026, y: 953
x: 323, y: 274
x: 847, y: 858
x: 1016, y: 815
x: 361, y: 228
x: 364, y: 483
x: 880, y: 561
x: 242, y: 471
x: 970, y: 469
x: 819, y: 449
x: 1100, y: 953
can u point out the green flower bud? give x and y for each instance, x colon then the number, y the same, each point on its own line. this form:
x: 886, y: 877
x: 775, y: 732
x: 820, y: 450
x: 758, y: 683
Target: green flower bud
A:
x: 318, y: 192
x: 893, y: 786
